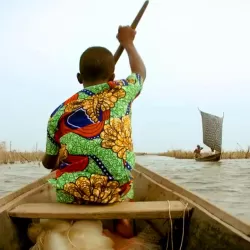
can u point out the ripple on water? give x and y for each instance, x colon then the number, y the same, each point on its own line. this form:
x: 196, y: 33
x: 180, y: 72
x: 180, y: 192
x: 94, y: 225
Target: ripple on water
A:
x: 13, y: 177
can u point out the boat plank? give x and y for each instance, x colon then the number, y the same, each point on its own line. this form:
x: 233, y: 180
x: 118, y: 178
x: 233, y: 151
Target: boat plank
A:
x: 135, y: 210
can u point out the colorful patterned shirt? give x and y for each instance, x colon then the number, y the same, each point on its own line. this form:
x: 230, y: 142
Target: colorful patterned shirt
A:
x: 91, y: 133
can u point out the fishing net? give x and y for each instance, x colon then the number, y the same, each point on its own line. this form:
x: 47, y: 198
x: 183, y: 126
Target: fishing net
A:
x: 63, y: 235
x: 87, y: 235
x: 148, y: 239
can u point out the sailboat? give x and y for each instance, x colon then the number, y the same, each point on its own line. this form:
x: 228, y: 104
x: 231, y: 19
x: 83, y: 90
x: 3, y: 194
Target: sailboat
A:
x: 212, y: 135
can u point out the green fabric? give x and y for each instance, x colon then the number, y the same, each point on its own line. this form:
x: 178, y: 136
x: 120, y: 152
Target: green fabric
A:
x: 91, y: 132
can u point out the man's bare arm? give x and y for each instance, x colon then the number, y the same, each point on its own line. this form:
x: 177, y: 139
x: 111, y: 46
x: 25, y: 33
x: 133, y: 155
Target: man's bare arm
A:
x: 135, y: 60
x: 126, y: 36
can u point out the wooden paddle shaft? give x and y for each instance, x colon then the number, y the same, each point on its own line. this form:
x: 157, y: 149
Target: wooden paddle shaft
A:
x: 137, y: 19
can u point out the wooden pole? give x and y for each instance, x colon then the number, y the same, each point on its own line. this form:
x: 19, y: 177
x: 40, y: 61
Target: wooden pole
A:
x: 134, y: 24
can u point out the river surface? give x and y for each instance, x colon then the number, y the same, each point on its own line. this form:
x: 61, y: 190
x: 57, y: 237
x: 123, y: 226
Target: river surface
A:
x: 226, y: 183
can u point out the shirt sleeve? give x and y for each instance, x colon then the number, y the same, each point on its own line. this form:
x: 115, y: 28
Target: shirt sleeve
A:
x: 52, y: 147
x: 132, y: 85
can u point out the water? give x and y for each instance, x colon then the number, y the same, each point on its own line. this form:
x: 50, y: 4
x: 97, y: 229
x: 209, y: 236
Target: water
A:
x: 13, y: 177
x: 224, y: 183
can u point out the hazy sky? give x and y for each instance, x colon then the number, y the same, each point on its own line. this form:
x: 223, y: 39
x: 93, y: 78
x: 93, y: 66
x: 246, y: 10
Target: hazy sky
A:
x: 197, y: 54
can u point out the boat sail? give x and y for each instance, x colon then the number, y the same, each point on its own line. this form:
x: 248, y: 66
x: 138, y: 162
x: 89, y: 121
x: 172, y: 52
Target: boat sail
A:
x: 212, y: 127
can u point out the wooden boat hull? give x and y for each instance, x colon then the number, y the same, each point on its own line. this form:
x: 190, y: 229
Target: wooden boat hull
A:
x: 207, y: 227
x: 213, y: 158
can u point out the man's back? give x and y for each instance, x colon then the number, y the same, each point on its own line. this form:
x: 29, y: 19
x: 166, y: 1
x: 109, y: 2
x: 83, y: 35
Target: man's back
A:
x: 92, y: 133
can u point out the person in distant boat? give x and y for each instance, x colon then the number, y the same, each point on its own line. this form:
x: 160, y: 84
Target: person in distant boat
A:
x: 89, y: 138
x: 197, y: 151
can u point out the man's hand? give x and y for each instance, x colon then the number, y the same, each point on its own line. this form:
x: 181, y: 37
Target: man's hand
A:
x: 50, y: 161
x: 126, y: 35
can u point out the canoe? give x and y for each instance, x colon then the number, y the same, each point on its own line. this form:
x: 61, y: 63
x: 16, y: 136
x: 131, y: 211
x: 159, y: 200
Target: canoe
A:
x: 215, y: 157
x: 177, y: 215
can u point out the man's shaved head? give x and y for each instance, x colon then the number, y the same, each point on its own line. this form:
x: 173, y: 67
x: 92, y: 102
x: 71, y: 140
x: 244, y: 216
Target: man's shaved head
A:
x: 96, y: 64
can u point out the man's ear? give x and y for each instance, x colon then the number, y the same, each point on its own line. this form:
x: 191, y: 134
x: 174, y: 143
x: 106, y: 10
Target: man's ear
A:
x: 112, y: 77
x: 79, y: 78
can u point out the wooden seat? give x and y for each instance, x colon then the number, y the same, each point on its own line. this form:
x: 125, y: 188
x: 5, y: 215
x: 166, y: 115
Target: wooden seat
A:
x: 133, y: 210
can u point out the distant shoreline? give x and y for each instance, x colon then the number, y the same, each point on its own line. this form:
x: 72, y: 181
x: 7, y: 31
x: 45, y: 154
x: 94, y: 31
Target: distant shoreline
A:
x: 182, y: 154
x: 7, y: 157
x: 11, y: 157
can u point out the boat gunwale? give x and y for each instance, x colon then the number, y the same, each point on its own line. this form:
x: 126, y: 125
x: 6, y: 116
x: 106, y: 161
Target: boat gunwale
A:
x: 11, y: 200
x: 199, y: 208
x: 196, y: 199
x: 37, y: 183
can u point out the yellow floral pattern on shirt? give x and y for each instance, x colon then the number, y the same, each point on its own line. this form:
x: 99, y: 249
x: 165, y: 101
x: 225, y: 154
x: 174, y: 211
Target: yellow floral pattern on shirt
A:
x: 97, y: 189
x: 117, y: 136
x: 63, y: 153
x: 102, y: 101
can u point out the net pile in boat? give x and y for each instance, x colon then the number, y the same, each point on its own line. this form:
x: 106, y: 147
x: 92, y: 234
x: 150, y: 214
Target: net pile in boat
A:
x: 148, y: 239
x: 87, y: 235
x: 212, y: 130
x: 63, y: 235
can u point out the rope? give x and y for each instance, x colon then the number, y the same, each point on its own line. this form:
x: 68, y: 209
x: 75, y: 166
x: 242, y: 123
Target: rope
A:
x: 42, y: 241
x: 167, y: 241
x: 73, y: 245
x: 171, y: 227
x: 183, y: 227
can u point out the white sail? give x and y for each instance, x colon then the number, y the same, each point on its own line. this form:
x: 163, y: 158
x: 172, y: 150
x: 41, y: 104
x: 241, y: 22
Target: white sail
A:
x: 212, y: 130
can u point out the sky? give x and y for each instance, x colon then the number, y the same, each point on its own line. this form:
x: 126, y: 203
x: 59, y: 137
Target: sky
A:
x: 196, y: 52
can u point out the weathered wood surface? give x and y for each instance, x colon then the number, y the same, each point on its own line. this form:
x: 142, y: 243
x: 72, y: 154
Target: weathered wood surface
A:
x: 9, y: 239
x: 8, y: 198
x: 14, y: 232
x: 135, y: 210
x: 206, y: 231
x: 217, y: 212
x: 134, y: 24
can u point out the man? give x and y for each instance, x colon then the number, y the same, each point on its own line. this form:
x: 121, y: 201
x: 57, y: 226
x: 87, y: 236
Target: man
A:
x: 197, y: 151
x: 89, y: 136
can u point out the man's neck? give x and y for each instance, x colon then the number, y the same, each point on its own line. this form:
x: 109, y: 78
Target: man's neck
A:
x: 89, y: 84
